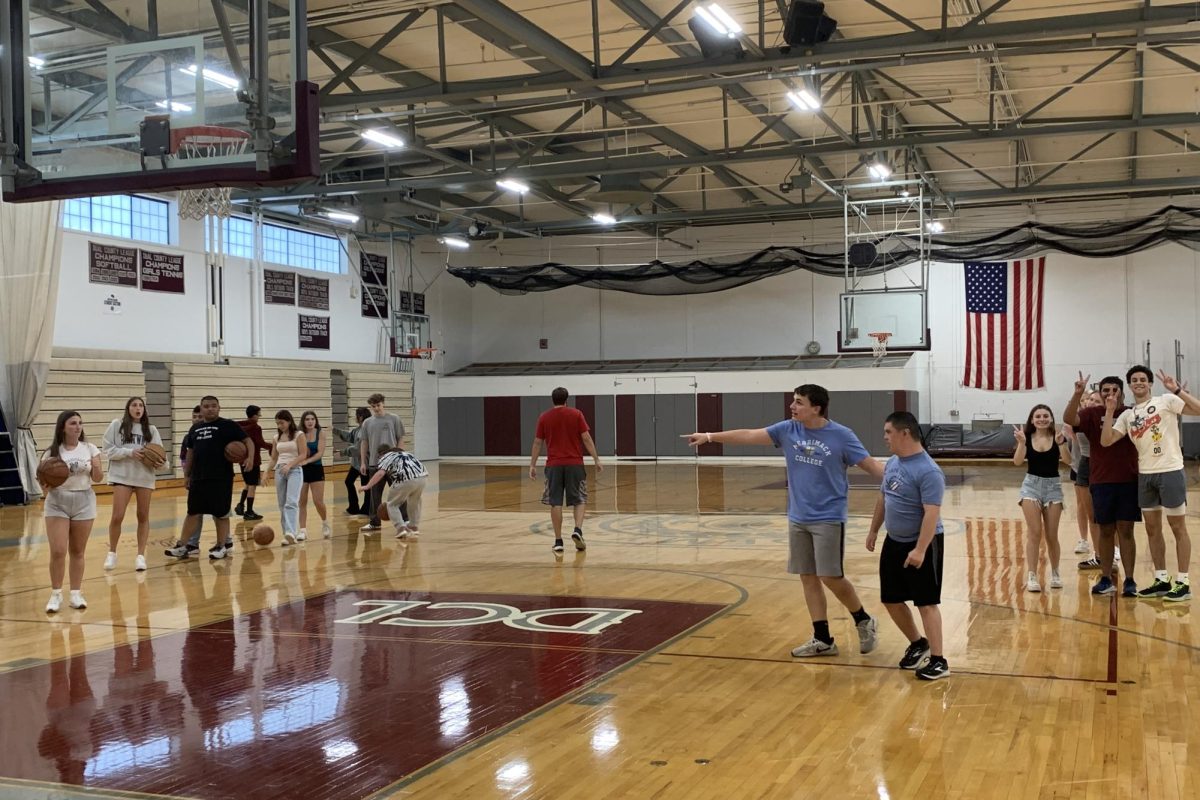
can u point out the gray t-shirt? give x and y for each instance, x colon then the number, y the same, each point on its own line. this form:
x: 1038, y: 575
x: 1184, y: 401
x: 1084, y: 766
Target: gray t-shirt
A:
x: 376, y: 431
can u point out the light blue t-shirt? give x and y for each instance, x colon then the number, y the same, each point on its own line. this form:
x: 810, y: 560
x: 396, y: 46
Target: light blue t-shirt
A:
x: 816, y: 468
x: 909, y: 484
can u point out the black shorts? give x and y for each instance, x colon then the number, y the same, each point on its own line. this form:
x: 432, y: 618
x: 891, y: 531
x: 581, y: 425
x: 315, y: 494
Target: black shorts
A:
x: 212, y: 497
x: 565, y: 479
x: 313, y: 472
x: 901, y: 584
x: 252, y: 477
x: 1115, y: 502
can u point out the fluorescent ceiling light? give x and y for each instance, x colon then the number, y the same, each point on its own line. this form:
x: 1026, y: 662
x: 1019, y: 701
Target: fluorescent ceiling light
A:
x: 36, y: 63
x: 342, y: 216
x: 219, y: 78
x: 182, y: 108
x: 719, y: 20
x: 804, y: 100
x: 383, y: 138
x: 604, y: 219
x: 454, y: 242
x: 880, y: 170
x: 935, y: 226
x: 512, y: 186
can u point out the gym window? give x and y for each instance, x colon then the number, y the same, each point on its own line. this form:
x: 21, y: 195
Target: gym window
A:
x: 123, y: 216
x: 289, y: 247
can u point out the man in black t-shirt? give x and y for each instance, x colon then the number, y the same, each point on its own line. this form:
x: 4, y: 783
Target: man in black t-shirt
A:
x: 209, y: 475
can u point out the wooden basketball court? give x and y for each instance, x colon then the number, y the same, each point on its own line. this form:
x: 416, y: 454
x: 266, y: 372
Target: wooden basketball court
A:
x: 248, y: 678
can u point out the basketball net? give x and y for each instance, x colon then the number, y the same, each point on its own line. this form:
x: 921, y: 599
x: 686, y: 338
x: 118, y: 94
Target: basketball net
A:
x: 879, y: 346
x: 205, y: 142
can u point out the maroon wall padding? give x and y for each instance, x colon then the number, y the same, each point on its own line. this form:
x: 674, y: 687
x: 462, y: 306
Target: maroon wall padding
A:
x: 787, y: 404
x: 626, y: 406
x: 502, y: 426
x: 899, y: 400
x: 586, y: 403
x: 708, y: 419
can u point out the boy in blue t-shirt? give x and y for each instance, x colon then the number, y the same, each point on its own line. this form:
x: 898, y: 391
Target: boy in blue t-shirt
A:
x: 818, y: 451
x: 910, y: 566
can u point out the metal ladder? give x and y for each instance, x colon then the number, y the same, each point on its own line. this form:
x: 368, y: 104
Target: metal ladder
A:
x: 11, y: 491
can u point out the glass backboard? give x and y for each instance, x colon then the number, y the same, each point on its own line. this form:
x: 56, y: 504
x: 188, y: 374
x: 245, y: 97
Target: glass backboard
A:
x: 903, y: 313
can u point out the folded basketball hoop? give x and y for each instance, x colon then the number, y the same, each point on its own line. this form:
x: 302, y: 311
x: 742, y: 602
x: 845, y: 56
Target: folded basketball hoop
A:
x: 879, y: 346
x: 423, y: 352
x: 207, y: 142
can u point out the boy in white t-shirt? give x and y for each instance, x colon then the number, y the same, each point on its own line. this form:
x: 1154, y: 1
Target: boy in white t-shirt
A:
x: 1152, y: 424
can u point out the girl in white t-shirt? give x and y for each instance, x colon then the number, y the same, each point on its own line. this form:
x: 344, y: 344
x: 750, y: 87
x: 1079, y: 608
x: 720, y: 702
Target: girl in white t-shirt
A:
x: 130, y: 476
x: 70, y: 508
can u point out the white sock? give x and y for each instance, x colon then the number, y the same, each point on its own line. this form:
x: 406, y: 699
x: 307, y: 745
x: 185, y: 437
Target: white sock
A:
x: 1162, y: 575
x: 1181, y: 577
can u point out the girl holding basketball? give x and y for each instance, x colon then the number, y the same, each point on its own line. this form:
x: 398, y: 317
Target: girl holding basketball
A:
x: 1043, y: 449
x: 289, y: 479
x: 70, y: 506
x: 131, y: 473
x: 314, y: 472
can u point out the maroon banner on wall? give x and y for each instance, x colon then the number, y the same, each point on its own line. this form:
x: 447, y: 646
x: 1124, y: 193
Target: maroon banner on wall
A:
x: 112, y: 265
x: 279, y: 288
x: 373, y: 268
x: 161, y: 272
x: 314, y: 332
x: 374, y: 301
x: 314, y: 293
x: 412, y: 303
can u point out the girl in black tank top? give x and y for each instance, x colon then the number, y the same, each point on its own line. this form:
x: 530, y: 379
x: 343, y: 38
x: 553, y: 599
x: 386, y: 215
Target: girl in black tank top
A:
x: 1042, y: 448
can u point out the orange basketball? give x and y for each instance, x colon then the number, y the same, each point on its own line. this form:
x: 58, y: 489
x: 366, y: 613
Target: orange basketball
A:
x: 263, y: 534
x: 236, y: 452
x: 383, y: 512
x: 153, y: 456
x: 53, y: 472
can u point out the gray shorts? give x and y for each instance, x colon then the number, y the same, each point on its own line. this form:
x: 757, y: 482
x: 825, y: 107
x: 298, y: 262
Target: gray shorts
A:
x: 76, y: 505
x: 1162, y: 490
x: 1044, y: 490
x: 565, y: 479
x: 816, y: 548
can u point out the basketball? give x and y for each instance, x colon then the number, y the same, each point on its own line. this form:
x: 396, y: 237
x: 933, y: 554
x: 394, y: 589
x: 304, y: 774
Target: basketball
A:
x: 236, y: 452
x: 263, y: 534
x: 383, y: 512
x: 53, y: 472
x: 153, y: 456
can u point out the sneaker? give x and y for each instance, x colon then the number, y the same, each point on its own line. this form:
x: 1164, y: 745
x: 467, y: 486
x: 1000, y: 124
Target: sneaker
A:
x: 1091, y: 563
x: 934, y: 670
x: 814, y: 647
x: 326, y: 531
x: 216, y: 552
x: 371, y: 527
x: 916, y: 652
x: 55, y: 601
x: 1104, y: 586
x: 288, y: 538
x: 110, y: 560
x: 302, y: 535
x: 240, y: 510
x: 229, y: 546
x: 577, y: 538
x: 1129, y: 589
x: 1156, y: 589
x: 558, y: 546
x: 139, y: 563
x: 1032, y: 584
x: 1055, y: 580
x: 1179, y: 593
x: 181, y: 551
x: 252, y: 516
x: 402, y: 533
x: 1082, y: 547
x: 867, y: 638
x: 77, y: 600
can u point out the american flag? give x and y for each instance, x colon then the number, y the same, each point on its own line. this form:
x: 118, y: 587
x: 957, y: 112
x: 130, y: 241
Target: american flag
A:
x: 1004, y: 325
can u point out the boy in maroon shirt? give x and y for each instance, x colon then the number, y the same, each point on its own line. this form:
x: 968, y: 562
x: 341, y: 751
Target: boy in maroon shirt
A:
x: 252, y: 478
x: 565, y: 433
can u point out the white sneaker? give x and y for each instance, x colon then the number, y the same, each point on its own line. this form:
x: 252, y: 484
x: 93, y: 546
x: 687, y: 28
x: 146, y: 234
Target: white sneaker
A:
x: 814, y: 647
x: 77, y: 600
x: 1082, y: 547
x: 55, y: 601
x: 110, y: 560
x: 288, y: 538
x: 326, y: 531
x: 139, y: 564
x: 1055, y: 580
x: 1032, y: 584
x: 302, y: 535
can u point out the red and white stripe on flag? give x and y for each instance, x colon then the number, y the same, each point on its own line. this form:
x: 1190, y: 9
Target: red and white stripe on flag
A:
x: 1004, y: 325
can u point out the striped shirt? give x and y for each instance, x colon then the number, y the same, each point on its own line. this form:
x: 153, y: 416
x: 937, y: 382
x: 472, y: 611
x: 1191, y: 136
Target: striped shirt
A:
x: 402, y: 467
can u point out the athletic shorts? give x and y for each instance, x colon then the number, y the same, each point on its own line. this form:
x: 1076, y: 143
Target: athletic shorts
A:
x: 1115, y: 502
x: 252, y: 477
x: 1083, y: 475
x: 901, y: 584
x: 212, y: 497
x: 565, y: 479
x: 72, y: 505
x: 313, y: 472
x: 816, y: 548
x: 1044, y: 490
x: 1162, y: 490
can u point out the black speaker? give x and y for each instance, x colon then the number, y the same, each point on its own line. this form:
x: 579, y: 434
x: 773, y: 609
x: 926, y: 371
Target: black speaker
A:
x: 807, y: 23
x: 862, y: 254
x: 713, y: 44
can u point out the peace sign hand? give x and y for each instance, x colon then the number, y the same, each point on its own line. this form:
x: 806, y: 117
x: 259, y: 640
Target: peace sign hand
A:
x: 1081, y: 385
x: 1168, y: 381
x: 1019, y: 432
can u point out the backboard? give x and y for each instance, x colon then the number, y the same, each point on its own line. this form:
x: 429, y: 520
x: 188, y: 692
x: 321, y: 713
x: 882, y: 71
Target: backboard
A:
x: 79, y: 79
x: 901, y: 312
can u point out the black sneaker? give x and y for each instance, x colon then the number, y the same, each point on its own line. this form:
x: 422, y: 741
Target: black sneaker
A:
x: 240, y: 510
x: 216, y: 552
x: 1156, y: 589
x: 181, y: 551
x: 558, y: 546
x: 934, y: 670
x: 229, y: 545
x: 915, y: 654
x: 1129, y: 588
x: 577, y: 538
x: 1091, y: 563
x: 1179, y: 593
x: 251, y: 516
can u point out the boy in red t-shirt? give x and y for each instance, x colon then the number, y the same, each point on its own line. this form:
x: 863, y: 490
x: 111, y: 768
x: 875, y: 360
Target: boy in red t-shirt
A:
x: 565, y: 433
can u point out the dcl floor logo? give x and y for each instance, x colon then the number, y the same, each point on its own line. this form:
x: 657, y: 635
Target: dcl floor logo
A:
x: 394, y: 612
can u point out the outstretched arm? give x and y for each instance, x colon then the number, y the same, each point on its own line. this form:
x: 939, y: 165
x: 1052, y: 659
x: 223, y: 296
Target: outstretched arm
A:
x: 739, y: 436
x: 1071, y: 412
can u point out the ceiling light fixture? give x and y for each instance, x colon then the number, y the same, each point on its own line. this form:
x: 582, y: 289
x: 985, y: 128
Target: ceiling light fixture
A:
x: 512, y: 186
x: 879, y: 170
x: 219, y: 78
x: 935, y: 226
x: 382, y: 137
x: 454, y: 242
x: 804, y: 100
x: 342, y: 216
x: 182, y: 108
x: 35, y: 62
x: 719, y: 20
x: 604, y: 219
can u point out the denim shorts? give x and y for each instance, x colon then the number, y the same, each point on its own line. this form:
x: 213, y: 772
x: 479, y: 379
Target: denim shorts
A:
x: 1044, y: 490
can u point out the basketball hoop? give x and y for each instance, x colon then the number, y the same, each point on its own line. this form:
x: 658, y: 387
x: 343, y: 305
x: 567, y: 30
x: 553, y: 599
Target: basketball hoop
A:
x: 879, y: 346
x: 207, y: 141
x: 426, y: 353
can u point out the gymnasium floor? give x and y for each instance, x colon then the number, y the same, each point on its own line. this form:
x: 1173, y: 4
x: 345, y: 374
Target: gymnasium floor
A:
x: 250, y: 679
